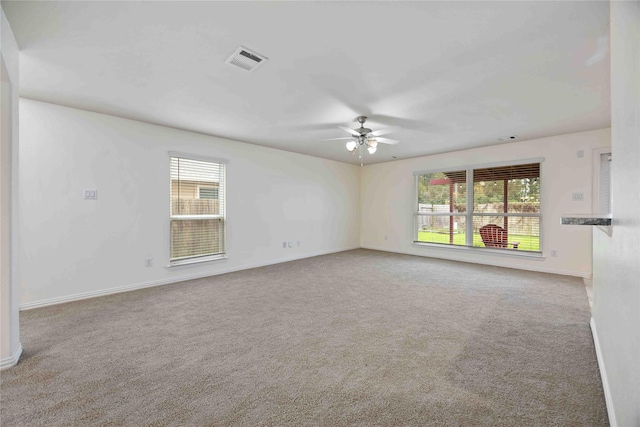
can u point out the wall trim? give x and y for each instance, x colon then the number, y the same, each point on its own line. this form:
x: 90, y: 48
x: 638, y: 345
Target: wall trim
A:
x: 12, y: 360
x: 182, y: 278
x: 492, y: 263
x: 167, y: 281
x: 603, y: 375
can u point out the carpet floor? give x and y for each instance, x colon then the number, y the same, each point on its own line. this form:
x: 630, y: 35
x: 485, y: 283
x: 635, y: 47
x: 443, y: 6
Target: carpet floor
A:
x: 358, y: 338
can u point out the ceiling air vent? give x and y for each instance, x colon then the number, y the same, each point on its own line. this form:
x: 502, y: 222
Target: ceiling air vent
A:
x: 246, y: 59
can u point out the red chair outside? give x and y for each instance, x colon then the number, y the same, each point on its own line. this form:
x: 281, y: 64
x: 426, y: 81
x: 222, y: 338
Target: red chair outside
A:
x: 494, y: 236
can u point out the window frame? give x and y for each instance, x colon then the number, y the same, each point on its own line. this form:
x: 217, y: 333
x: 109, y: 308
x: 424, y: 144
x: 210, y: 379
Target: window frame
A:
x: 601, y: 177
x: 469, y: 213
x: 222, y: 215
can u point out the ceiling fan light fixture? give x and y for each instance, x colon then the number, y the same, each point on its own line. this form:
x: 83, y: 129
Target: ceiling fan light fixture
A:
x: 366, y: 138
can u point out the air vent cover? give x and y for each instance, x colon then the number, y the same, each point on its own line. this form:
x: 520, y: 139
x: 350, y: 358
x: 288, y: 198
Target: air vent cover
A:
x: 246, y: 59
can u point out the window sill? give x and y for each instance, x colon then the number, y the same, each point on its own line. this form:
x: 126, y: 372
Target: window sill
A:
x: 190, y: 262
x: 501, y: 252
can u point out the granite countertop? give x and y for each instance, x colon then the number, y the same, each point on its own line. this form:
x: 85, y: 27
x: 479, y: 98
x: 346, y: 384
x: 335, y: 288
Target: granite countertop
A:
x: 586, y: 219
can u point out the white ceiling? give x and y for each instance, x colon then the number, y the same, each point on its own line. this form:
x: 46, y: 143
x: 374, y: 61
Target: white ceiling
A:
x: 451, y: 75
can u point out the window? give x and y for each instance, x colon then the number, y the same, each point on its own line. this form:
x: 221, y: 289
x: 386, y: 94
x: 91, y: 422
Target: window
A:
x: 604, y: 183
x: 453, y: 206
x: 442, y: 206
x: 197, y: 209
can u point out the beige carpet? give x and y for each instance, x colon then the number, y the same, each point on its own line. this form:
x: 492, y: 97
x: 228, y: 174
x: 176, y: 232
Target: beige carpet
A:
x: 356, y: 338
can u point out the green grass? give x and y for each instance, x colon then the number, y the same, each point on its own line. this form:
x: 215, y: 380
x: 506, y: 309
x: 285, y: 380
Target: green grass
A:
x: 527, y: 243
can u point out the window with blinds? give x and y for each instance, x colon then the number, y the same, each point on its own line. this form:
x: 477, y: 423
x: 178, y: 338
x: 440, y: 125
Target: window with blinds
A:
x: 442, y: 206
x: 197, y: 209
x: 494, y: 207
x: 509, y: 197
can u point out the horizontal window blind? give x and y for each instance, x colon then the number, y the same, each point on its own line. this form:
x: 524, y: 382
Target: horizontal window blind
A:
x: 197, y: 209
x: 500, y: 173
x: 208, y: 192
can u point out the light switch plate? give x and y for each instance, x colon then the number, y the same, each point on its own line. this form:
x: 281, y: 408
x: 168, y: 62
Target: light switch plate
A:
x: 91, y: 194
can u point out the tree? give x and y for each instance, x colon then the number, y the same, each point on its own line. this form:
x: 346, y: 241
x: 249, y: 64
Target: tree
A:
x: 439, y: 194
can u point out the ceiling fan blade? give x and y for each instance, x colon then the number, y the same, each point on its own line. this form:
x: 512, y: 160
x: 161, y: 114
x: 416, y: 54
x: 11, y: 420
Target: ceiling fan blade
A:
x: 384, y: 131
x: 404, y: 123
x: 351, y: 131
x: 387, y: 140
x: 337, y: 139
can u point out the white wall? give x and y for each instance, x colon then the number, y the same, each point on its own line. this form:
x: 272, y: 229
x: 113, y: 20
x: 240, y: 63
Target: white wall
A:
x: 10, y: 347
x: 73, y: 247
x: 616, y: 269
x: 387, y: 201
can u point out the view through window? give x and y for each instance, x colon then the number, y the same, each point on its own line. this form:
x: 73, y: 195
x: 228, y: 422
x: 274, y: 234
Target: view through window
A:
x: 495, y: 207
x: 197, y: 210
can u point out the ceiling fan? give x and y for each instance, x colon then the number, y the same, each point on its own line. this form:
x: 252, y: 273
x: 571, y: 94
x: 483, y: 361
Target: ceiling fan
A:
x: 365, y: 137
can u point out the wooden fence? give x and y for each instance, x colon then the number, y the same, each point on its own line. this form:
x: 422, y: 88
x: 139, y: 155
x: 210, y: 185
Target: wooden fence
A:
x: 193, y: 237
x: 517, y: 225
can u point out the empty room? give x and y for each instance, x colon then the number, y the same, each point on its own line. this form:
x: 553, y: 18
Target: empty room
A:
x: 306, y: 213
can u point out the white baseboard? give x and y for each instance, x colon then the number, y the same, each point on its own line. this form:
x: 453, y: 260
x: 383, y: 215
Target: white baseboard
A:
x: 86, y: 295
x: 603, y: 375
x: 12, y: 360
x: 182, y: 278
x: 492, y: 262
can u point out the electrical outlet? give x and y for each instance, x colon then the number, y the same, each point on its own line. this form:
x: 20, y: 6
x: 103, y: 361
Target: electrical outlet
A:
x: 284, y: 245
x: 577, y: 197
x: 554, y: 253
x: 148, y: 262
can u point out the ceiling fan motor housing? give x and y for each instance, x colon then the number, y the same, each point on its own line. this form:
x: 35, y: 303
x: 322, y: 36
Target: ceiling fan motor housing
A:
x: 363, y: 130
